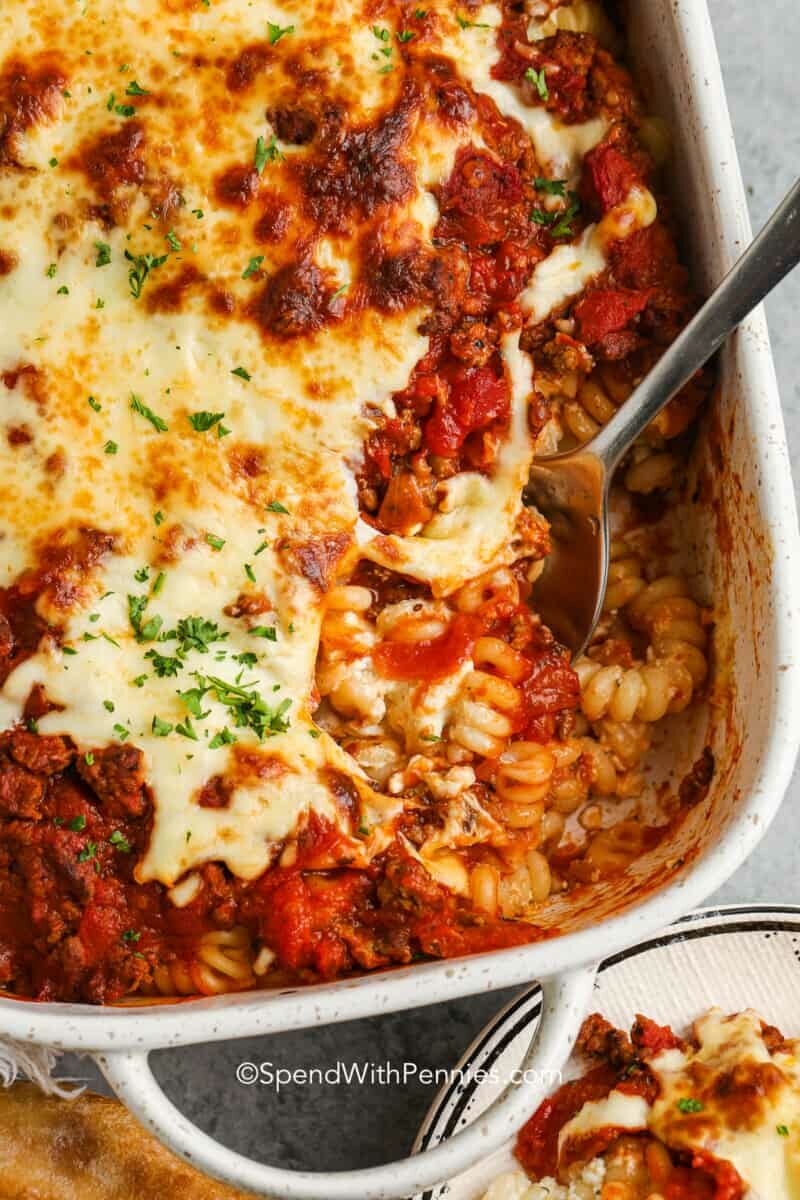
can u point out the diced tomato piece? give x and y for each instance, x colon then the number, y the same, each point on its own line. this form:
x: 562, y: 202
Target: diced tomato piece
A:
x: 607, y: 178
x: 428, y: 660
x: 605, y: 311
x: 551, y: 687
x: 651, y: 1039
x: 480, y: 200
x: 537, y: 1142
x: 403, y: 507
x: 477, y: 397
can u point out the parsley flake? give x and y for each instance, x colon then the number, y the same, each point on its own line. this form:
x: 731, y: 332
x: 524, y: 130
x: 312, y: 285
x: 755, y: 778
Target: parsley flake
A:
x: 173, y: 240
x: 95, y: 404
x: 265, y: 631
x: 131, y: 935
x: 141, y: 266
x: 103, y: 254
x: 689, y: 1105
x: 252, y: 266
x: 266, y: 152
x: 119, y: 842
x: 138, y: 406
x: 276, y: 507
x: 161, y: 728
x: 201, y: 422
x: 110, y: 447
x: 214, y: 541
x: 77, y: 824
x: 539, y: 81
x: 276, y: 33
x: 553, y: 187
x: 88, y: 852
x: 133, y: 89
x: 242, y: 373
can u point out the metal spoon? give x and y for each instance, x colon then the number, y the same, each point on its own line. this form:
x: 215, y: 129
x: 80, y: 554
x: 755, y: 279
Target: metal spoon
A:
x: 571, y: 489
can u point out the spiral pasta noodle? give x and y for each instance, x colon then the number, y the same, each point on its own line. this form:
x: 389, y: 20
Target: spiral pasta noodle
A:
x: 222, y: 962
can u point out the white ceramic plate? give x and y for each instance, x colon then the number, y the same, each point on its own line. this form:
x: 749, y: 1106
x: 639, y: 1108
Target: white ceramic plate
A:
x: 734, y: 957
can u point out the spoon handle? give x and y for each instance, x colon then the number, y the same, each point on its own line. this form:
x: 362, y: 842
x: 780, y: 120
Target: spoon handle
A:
x: 769, y: 258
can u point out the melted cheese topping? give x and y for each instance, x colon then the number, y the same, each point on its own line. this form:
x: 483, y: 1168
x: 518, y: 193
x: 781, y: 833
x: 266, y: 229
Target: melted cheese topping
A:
x: 750, y: 1098
x: 152, y: 395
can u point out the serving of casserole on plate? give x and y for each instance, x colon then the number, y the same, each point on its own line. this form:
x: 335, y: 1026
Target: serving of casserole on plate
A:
x: 702, y: 1103
x: 289, y: 300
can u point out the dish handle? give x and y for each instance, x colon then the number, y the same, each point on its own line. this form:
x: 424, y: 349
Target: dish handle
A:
x: 565, y: 1000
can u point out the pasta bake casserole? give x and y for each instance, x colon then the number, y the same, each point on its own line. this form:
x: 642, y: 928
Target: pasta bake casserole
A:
x: 288, y: 304
x: 658, y: 1117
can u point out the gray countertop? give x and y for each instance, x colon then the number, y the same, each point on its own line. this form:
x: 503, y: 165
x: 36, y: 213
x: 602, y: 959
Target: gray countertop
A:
x: 334, y: 1127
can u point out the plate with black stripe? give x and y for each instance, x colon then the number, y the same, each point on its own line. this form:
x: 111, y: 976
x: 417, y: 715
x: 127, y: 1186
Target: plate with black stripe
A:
x: 734, y: 957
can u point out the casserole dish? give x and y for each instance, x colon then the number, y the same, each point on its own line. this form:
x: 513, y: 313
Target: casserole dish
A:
x: 744, y: 538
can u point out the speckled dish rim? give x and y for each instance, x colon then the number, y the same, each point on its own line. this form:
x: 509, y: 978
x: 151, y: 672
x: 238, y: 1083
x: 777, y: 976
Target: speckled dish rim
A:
x: 121, y: 1039
x: 523, y: 1014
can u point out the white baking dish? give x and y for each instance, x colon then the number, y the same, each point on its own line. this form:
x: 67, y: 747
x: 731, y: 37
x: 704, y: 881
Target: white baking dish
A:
x: 745, y: 539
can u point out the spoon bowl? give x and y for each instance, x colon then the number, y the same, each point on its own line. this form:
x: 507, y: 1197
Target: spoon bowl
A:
x: 571, y: 490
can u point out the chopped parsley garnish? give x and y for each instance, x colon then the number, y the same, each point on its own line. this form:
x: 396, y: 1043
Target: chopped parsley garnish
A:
x: 465, y: 24
x: 405, y: 35
x: 142, y: 574
x: 253, y: 266
x: 68, y: 650
x: 165, y: 666
x: 249, y: 572
x: 186, y: 729
x: 103, y: 254
x: 266, y: 152
x: 119, y: 842
x: 381, y: 34
x: 54, y: 162
x: 173, y: 240
x: 689, y: 1105
x: 95, y: 404
x: 63, y: 290
x: 161, y: 728
x: 276, y: 507
x: 77, y: 824
x: 539, y: 81
x: 133, y: 89
x: 214, y: 541
x: 108, y: 705
x: 276, y: 33
x: 131, y: 935
x: 196, y: 633
x: 88, y: 852
x: 141, y: 266
x: 560, y: 222
x: 159, y: 583
x: 198, y: 212
x: 159, y: 517
x: 120, y: 730
x: 340, y: 291
x: 242, y: 373
x: 201, y: 422
x: 247, y: 658
x: 248, y: 709
x: 138, y: 406
x: 553, y: 187
x: 51, y: 271
x: 419, y: 13
x: 110, y: 447
x: 363, y: 830
x: 261, y: 548
x: 223, y: 738
x: 139, y: 682
x: 146, y: 631
x: 124, y: 110
x: 265, y: 631
x: 782, y: 1130
x: 88, y: 758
